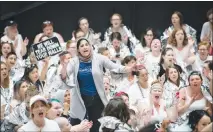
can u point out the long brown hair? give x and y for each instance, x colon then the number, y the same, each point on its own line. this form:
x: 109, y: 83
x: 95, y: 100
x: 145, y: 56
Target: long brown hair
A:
x: 172, y: 40
x: 6, y: 82
x: 167, y: 75
x: 179, y: 14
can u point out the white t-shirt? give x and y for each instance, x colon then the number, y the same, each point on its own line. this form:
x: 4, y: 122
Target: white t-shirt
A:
x: 50, y: 126
x: 138, y: 95
x: 151, y: 62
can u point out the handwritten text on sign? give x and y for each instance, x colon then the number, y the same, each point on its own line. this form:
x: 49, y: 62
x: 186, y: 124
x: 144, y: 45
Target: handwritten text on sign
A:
x: 49, y: 47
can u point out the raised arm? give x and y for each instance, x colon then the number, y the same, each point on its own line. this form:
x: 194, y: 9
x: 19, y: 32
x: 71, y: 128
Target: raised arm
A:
x: 182, y: 104
x: 107, y: 63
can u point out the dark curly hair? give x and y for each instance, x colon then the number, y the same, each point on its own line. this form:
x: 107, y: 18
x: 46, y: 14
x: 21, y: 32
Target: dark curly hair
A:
x: 195, y: 116
x: 116, y: 108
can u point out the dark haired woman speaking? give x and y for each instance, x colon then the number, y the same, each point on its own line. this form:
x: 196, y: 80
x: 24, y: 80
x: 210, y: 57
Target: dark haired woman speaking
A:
x: 84, y: 74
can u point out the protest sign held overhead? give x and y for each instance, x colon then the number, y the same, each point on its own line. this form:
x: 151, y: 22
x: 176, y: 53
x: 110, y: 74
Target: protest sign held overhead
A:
x: 49, y: 47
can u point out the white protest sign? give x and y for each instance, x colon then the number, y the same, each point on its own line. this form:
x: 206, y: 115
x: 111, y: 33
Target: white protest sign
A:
x: 49, y: 47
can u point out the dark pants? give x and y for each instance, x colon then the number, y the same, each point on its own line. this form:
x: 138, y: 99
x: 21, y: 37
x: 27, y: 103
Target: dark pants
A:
x: 94, y: 107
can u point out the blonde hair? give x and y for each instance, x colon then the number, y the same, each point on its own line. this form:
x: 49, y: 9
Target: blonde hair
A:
x: 204, y: 43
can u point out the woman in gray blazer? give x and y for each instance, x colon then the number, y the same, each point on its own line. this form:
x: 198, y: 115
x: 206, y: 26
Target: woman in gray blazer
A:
x: 84, y: 74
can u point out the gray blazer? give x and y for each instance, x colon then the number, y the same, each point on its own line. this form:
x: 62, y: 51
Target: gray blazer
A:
x: 77, y: 107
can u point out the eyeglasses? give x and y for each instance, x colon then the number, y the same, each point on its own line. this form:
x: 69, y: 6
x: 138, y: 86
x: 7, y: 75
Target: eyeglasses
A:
x: 202, y: 49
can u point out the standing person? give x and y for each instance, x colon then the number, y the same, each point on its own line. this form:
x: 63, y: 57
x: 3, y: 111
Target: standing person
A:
x: 38, y: 109
x: 47, y: 27
x: 11, y: 35
x: 84, y: 74
x: 178, y: 23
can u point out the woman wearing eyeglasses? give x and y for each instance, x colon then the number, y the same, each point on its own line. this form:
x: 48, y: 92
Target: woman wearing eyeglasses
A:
x: 189, y: 98
x: 128, y: 38
x: 47, y: 27
x: 202, y: 56
x: 146, y: 39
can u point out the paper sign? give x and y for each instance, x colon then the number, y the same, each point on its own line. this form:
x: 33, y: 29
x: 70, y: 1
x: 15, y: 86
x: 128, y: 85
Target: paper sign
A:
x: 49, y: 47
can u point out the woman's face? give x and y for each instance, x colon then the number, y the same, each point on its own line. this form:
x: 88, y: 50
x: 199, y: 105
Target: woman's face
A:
x: 179, y: 36
x: 116, y: 21
x: 79, y: 35
x: 6, y: 48
x: 126, y: 100
x: 156, y: 45
x: 206, y: 70
x: 72, y: 49
x: 39, y: 109
x: 4, y: 71
x: 169, y: 58
x: 116, y: 43
x: 67, y: 58
x: 143, y: 76
x: 173, y: 74
x: 84, y: 25
x: 48, y: 31
x: 106, y: 84
x: 203, y: 51
x: 11, y: 60
x: 195, y: 81
x: 148, y: 37
x: 106, y: 53
x: 156, y: 94
x: 175, y: 19
x: 33, y: 58
x: 84, y: 48
x: 33, y: 75
x: 204, y: 121
x: 132, y: 63
x: 23, y: 89
x: 55, y: 111
x: 67, y: 96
